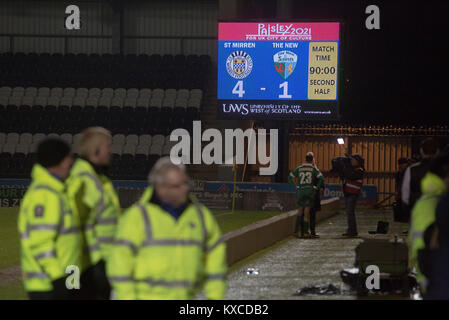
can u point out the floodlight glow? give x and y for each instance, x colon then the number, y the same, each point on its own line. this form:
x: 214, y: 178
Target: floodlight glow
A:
x: 341, y: 141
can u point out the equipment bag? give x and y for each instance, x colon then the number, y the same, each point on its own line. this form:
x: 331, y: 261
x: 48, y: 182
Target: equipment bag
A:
x: 390, y: 257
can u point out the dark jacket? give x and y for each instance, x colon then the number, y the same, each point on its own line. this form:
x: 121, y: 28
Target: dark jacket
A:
x: 417, y: 172
x: 398, y: 178
x: 438, y: 287
x: 352, y: 181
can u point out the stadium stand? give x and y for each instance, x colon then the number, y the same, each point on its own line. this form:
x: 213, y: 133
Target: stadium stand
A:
x: 140, y: 99
x: 132, y: 155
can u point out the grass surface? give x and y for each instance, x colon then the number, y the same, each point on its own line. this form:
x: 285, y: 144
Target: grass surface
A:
x: 9, y: 237
x: 233, y: 221
x: 13, y: 291
x: 10, y: 252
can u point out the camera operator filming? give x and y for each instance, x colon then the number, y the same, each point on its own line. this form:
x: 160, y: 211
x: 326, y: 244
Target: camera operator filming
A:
x: 351, y: 170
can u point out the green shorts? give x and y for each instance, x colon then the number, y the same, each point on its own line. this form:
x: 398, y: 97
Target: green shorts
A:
x: 305, y: 197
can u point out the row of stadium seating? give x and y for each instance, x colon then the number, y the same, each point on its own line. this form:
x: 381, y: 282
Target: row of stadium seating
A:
x: 114, y: 71
x: 121, y: 111
x: 132, y: 157
x: 96, y: 93
x: 94, y: 97
x: 117, y: 120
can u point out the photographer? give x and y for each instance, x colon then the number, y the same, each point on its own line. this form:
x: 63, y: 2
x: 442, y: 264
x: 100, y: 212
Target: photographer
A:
x: 351, y: 174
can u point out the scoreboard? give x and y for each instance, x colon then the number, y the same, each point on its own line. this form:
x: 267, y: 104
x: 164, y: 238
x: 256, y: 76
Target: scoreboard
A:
x: 278, y: 70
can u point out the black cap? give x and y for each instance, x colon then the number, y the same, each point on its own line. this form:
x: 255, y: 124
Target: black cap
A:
x: 51, y: 152
x: 403, y: 160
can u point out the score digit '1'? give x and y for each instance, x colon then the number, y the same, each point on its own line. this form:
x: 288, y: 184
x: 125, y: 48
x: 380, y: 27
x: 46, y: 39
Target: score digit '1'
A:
x: 285, y: 94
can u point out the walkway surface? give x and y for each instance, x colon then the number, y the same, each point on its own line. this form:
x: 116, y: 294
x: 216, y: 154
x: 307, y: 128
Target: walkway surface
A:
x: 297, y: 263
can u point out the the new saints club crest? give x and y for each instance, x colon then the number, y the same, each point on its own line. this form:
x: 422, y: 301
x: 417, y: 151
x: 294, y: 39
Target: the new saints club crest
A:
x: 285, y: 63
x: 239, y: 64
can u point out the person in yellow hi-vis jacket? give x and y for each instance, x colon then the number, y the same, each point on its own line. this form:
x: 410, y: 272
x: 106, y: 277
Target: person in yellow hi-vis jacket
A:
x: 50, y: 233
x: 96, y: 202
x: 167, y: 245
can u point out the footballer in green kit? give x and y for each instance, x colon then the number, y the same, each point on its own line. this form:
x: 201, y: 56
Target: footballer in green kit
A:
x: 304, y: 178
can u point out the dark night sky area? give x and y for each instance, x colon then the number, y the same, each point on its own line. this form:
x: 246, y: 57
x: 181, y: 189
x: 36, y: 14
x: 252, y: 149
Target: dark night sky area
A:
x: 398, y: 74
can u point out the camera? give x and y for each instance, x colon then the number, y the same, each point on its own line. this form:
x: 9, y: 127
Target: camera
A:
x: 339, y: 164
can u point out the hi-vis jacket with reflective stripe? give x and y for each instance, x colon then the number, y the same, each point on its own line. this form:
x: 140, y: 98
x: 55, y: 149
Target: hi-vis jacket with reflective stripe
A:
x: 423, y: 215
x: 50, y: 232
x: 94, y: 198
x: 158, y: 257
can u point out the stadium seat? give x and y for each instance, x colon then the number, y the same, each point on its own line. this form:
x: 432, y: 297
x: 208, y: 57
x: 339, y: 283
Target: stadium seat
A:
x: 158, y: 140
x: 120, y: 93
x: 76, y: 138
x: 53, y: 135
x: 53, y: 102
x: 107, y: 92
x: 157, y: 94
x: 132, y: 93
x: 130, y: 102
x: 117, y: 102
x: 117, y: 149
x: 132, y: 139
x: 170, y: 93
x: 15, y: 101
x: 143, y: 102
x: 144, y: 140
x: 182, y: 94
x: 145, y: 93
x: 118, y: 139
x: 66, y: 100
x: 79, y: 102
x: 69, y: 93
x: 105, y: 101
x: 18, y: 92
x: 43, y: 92
x: 38, y: 137
x: 166, y: 150
x: 26, y: 138
x: 27, y: 102
x: 9, y: 148
x: 67, y: 137
x: 31, y: 92
x: 92, y: 102
x: 40, y: 101
x: 2, y: 138
x: 4, y: 101
x: 56, y: 92
x: 82, y: 92
x: 5, y: 91
x: 12, y: 138
x: 94, y: 93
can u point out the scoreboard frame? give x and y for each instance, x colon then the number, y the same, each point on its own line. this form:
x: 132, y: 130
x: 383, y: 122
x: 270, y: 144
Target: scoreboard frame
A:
x: 221, y: 115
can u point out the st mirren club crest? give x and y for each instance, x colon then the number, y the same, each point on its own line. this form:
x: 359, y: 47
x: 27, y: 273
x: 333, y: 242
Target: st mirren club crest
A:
x: 239, y: 64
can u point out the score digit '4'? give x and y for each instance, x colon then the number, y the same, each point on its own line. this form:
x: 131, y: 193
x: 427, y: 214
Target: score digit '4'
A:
x: 238, y: 90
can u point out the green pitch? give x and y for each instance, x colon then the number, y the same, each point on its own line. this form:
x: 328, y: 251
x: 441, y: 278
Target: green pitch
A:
x: 10, y: 246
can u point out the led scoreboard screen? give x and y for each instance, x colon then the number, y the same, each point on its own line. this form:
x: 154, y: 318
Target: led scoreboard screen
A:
x: 278, y: 70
